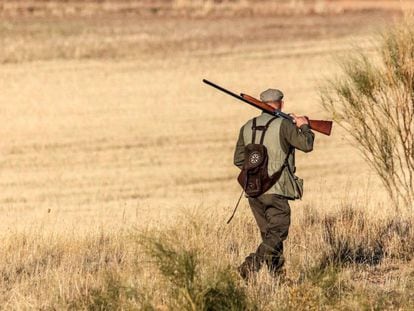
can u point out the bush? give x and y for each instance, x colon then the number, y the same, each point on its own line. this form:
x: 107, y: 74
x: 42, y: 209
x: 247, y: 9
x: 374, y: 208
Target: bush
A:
x: 373, y: 100
x: 112, y: 296
x: 218, y: 290
x: 112, y: 293
x: 351, y: 237
x: 363, y: 246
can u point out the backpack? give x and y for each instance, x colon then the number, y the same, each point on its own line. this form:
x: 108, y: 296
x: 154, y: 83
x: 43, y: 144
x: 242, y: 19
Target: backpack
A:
x: 254, y: 177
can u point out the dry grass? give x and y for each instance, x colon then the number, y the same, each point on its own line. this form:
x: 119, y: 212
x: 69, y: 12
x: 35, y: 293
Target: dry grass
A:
x: 98, y: 152
x: 111, y: 270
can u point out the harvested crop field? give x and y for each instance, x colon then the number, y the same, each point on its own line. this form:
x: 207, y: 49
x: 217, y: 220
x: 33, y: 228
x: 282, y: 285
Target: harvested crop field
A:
x: 108, y: 137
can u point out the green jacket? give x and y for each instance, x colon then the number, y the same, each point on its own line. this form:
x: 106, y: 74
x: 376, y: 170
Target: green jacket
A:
x: 281, y: 136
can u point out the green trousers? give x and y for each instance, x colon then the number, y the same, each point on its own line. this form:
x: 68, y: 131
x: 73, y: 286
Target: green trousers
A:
x: 272, y: 214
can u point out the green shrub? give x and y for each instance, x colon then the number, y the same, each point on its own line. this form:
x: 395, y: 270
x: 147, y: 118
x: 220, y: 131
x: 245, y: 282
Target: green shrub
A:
x: 190, y: 290
x: 222, y: 292
x: 112, y: 294
x: 373, y: 100
x: 109, y: 297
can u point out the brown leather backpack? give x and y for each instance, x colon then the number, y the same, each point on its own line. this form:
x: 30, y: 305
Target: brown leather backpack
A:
x: 254, y: 177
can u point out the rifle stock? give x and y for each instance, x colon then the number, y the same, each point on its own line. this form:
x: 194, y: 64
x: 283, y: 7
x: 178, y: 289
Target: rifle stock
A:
x: 321, y: 126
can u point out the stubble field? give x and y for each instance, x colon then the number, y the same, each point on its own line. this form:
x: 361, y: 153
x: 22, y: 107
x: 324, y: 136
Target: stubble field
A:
x: 108, y: 135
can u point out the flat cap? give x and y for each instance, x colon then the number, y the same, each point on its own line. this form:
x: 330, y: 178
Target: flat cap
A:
x: 271, y: 95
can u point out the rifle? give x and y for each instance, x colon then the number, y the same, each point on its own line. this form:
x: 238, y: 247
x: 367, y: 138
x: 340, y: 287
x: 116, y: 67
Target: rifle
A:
x: 321, y: 126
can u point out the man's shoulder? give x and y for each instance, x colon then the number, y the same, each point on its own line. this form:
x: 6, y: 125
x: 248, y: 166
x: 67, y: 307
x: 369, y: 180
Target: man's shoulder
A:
x: 249, y: 121
x: 287, y: 126
x: 263, y: 118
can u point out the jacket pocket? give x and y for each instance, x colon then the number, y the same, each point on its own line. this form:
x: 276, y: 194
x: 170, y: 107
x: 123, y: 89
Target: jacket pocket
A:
x: 298, y: 187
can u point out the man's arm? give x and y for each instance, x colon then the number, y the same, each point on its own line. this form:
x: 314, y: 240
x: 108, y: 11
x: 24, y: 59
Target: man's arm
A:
x: 239, y: 151
x: 301, y: 138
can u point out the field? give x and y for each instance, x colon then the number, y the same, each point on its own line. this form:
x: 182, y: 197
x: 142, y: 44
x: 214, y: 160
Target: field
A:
x: 108, y: 137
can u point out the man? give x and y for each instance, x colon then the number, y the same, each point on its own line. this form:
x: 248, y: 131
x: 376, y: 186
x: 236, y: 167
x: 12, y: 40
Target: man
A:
x: 271, y: 209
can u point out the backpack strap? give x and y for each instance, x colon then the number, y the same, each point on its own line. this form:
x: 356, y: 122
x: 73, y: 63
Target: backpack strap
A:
x: 254, y: 131
x: 265, y: 129
x: 262, y: 128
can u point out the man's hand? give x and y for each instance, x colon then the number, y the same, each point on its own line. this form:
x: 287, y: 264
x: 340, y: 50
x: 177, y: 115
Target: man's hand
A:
x: 299, y: 120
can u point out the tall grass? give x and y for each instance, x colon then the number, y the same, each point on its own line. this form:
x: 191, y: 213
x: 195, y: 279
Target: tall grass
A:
x: 351, y: 237
x: 351, y: 263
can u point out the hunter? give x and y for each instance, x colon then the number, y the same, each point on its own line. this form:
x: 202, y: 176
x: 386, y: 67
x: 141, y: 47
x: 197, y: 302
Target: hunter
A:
x: 271, y: 209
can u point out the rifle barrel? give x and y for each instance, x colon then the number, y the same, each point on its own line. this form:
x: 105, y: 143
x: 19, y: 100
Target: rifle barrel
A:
x: 228, y: 92
x: 271, y: 111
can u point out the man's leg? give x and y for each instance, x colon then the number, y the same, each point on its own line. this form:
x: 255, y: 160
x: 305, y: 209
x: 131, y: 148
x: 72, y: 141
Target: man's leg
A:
x: 277, y: 215
x: 254, y: 261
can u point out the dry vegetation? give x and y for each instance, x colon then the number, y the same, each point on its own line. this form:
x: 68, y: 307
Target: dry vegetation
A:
x: 193, y: 8
x: 117, y: 176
